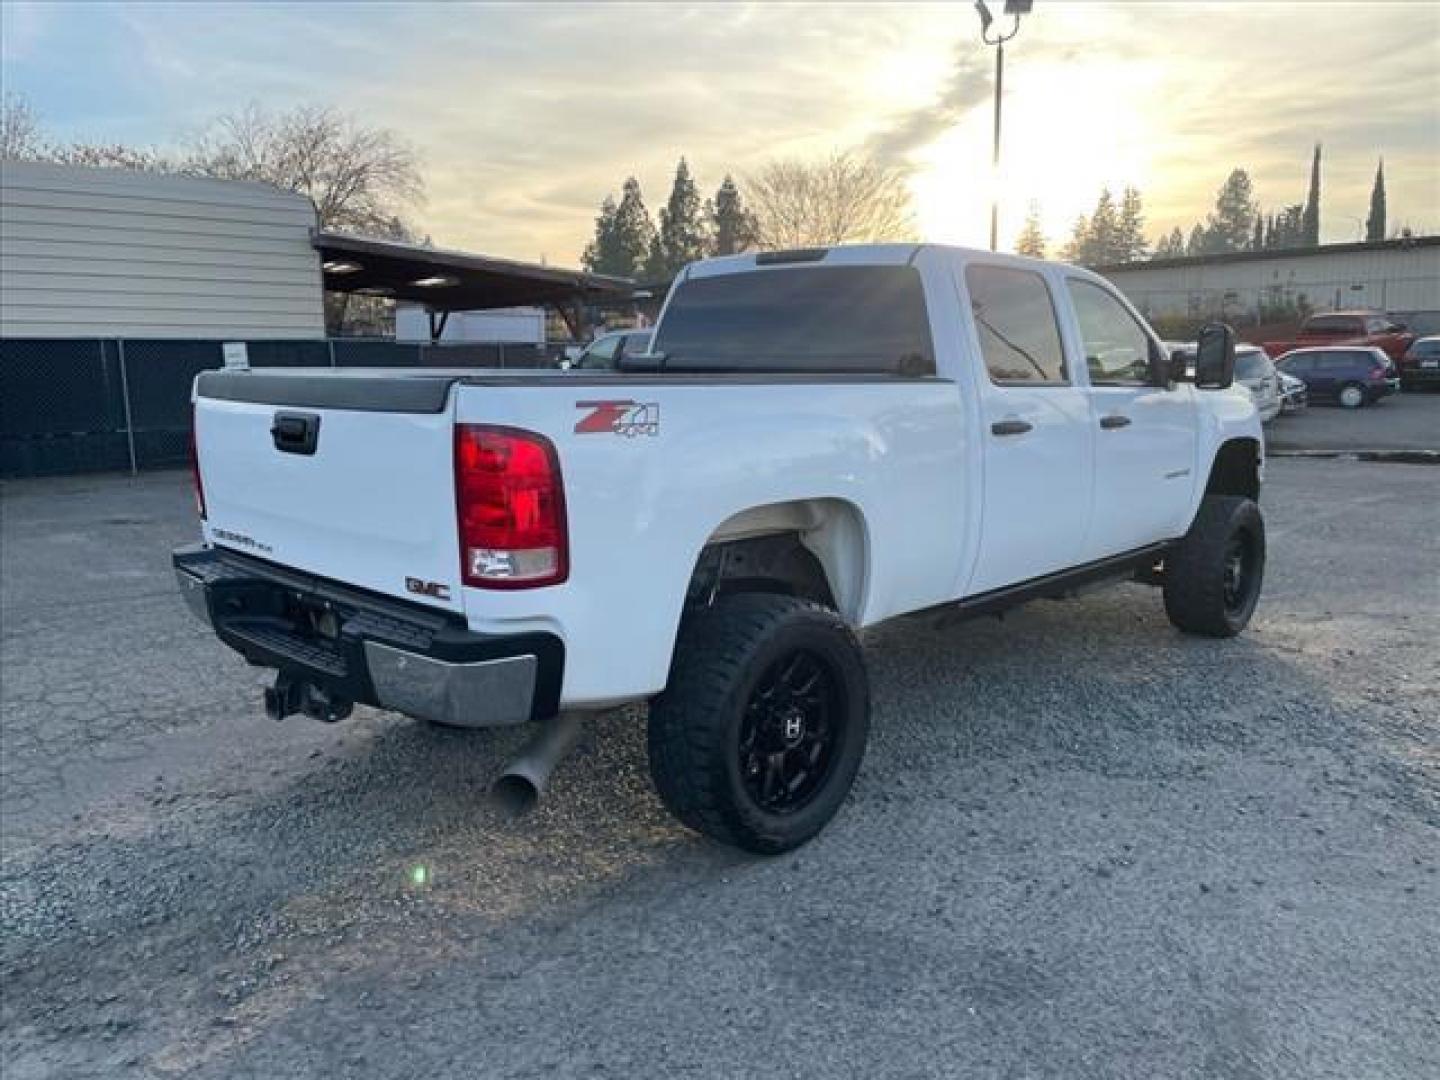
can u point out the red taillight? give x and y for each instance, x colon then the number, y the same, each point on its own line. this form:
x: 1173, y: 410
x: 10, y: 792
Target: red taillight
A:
x: 510, y: 508
x: 195, y: 468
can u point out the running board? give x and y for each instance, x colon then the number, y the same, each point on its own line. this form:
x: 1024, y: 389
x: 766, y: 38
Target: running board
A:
x: 1050, y: 586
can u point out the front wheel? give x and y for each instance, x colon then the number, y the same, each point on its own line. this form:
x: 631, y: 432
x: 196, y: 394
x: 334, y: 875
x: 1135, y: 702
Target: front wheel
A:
x: 1213, y: 577
x: 761, y: 729
x: 1352, y: 396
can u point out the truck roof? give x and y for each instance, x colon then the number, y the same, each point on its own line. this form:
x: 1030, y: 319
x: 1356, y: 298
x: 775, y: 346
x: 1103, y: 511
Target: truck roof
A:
x: 844, y: 255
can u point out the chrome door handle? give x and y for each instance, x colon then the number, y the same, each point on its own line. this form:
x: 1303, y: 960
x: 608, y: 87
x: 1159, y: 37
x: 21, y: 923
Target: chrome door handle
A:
x: 1114, y: 420
x: 1009, y: 427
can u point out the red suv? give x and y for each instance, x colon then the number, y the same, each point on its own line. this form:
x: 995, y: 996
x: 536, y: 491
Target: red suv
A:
x: 1348, y: 328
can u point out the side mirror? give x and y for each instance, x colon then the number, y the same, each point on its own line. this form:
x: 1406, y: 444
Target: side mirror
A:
x: 1215, y: 357
x: 1162, y: 368
x: 1182, y: 365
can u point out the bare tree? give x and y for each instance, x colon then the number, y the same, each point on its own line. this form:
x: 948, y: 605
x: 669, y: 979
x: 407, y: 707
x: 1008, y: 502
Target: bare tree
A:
x: 360, y: 178
x: 20, y: 135
x: 841, y: 199
x: 111, y: 156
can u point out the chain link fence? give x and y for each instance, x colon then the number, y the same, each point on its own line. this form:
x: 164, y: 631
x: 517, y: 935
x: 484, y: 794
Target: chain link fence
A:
x: 76, y: 405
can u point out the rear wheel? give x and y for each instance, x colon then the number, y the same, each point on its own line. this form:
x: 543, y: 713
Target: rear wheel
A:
x: 760, y: 732
x: 1352, y: 395
x: 1213, y: 578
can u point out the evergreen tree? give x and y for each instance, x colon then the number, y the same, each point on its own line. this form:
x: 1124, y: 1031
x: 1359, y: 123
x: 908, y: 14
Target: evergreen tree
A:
x: 634, y: 232
x: 1031, y: 240
x: 1131, y: 243
x: 1076, y: 250
x: 603, y: 254
x: 1310, y: 236
x: 1257, y: 239
x: 733, y: 228
x: 1228, y: 227
x: 1375, y: 223
x: 1172, y: 246
x: 1288, y: 229
x: 1103, y: 244
x: 1196, y: 245
x: 682, y: 237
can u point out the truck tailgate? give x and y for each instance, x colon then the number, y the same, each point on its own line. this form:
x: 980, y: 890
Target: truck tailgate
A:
x: 370, y: 503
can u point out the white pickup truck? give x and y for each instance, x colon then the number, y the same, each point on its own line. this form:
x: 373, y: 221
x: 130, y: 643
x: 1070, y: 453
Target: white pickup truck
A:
x: 820, y: 440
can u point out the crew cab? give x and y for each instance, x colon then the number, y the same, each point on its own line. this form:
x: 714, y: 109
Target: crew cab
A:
x: 1348, y: 328
x: 816, y: 442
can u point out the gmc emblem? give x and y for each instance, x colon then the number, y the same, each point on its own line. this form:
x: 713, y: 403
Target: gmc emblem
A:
x: 428, y: 588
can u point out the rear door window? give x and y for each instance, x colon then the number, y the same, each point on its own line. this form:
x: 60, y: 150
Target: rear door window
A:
x: 838, y: 319
x: 1015, y: 322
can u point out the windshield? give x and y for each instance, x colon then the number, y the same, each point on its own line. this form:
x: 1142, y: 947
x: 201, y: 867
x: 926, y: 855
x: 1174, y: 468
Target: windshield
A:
x: 813, y: 318
x: 1251, y: 364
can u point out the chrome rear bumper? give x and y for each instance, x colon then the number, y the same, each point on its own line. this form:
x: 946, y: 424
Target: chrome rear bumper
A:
x: 371, y: 649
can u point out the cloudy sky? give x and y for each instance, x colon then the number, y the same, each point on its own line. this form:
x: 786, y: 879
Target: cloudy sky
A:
x: 526, y: 115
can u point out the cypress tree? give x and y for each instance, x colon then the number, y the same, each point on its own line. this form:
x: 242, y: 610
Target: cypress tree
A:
x: 1310, y: 222
x: 1375, y: 223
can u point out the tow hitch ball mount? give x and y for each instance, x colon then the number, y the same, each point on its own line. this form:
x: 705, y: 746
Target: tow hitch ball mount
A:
x: 289, y: 696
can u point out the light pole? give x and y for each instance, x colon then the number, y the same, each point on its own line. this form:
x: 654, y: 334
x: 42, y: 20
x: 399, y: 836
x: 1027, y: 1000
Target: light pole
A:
x: 1013, y: 8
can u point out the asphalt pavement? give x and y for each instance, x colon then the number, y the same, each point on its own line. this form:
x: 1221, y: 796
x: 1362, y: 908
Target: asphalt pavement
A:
x: 1402, y: 422
x: 1081, y: 844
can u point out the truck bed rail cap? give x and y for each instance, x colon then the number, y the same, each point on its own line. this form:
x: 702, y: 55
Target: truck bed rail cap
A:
x: 393, y: 393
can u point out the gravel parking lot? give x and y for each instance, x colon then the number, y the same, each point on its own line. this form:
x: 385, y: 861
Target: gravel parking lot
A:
x: 1081, y: 844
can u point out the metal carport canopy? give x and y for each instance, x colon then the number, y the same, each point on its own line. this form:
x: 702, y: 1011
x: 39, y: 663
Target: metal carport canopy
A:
x: 453, y: 280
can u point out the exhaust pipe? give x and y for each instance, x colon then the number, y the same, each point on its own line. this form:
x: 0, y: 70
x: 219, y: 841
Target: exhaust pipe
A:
x: 520, y: 784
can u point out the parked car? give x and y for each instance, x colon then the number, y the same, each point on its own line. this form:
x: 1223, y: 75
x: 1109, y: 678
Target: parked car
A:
x: 1255, y: 371
x: 835, y: 438
x: 1373, y: 328
x: 607, y: 351
x: 1352, y: 377
x: 1294, y: 397
x: 1420, y: 366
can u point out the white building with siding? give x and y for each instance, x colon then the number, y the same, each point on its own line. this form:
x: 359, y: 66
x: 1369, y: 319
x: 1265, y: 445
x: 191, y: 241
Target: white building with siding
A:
x: 112, y: 253
x: 1392, y: 275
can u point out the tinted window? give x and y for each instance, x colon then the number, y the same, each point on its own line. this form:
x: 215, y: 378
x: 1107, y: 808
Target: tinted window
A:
x: 1296, y: 365
x: 1251, y: 364
x: 1426, y: 348
x: 1117, y: 349
x: 815, y: 318
x: 1015, y: 321
x: 1341, y: 361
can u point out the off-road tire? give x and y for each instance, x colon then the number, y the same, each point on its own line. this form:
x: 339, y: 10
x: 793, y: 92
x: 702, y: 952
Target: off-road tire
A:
x: 1198, y: 599
x: 722, y: 654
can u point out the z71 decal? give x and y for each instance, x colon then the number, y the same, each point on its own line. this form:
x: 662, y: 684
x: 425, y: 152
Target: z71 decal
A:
x: 628, y: 418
